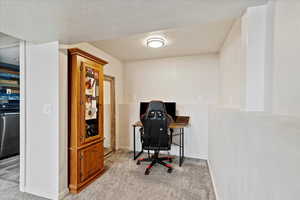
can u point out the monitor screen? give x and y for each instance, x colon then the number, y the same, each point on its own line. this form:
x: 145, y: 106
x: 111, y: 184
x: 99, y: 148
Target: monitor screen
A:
x: 170, y: 107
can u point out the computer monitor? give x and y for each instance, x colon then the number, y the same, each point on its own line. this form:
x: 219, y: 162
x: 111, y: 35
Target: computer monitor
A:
x: 170, y: 107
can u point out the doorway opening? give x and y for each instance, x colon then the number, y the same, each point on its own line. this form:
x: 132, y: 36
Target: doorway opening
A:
x: 9, y: 110
x: 109, y: 115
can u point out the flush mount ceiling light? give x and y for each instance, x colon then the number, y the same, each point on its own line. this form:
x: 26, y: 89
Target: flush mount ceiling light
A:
x: 156, y: 42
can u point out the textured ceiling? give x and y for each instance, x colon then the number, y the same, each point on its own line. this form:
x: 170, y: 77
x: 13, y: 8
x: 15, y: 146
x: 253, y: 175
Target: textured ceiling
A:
x: 191, y: 40
x: 71, y: 21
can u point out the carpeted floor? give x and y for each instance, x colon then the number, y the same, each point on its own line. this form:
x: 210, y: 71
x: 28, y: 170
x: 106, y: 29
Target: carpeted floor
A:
x: 9, y: 181
x: 9, y: 169
x: 124, y: 180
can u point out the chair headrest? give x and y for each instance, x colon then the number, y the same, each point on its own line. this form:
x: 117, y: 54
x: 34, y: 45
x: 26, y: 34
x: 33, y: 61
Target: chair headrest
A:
x: 156, y: 105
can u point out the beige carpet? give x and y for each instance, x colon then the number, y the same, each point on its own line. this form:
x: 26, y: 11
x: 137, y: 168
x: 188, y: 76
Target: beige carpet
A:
x: 124, y: 180
x: 9, y: 169
x: 9, y: 181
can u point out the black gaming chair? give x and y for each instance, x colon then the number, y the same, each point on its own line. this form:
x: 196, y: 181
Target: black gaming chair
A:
x: 156, y: 135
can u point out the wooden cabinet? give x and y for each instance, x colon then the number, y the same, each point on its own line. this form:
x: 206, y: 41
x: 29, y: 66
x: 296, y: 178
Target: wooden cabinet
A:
x: 91, y: 161
x: 86, y: 157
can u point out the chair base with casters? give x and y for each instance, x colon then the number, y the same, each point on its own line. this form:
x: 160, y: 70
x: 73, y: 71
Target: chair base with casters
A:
x: 154, y: 159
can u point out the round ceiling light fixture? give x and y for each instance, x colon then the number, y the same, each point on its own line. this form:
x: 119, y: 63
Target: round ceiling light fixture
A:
x: 156, y: 42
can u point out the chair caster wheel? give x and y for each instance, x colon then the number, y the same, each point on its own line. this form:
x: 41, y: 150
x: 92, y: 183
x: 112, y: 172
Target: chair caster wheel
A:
x: 170, y: 170
x: 147, y: 172
x: 138, y: 162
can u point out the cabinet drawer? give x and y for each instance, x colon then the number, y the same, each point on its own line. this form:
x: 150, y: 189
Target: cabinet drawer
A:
x: 91, y: 160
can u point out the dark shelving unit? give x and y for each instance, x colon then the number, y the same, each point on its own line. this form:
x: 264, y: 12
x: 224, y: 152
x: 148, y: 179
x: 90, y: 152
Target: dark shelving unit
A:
x: 9, y: 87
x: 9, y: 110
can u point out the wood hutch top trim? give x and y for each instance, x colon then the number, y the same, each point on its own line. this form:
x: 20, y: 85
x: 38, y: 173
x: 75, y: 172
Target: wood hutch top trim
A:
x: 76, y: 51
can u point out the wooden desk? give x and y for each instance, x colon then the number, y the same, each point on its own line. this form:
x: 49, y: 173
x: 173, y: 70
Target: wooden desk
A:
x: 180, y: 123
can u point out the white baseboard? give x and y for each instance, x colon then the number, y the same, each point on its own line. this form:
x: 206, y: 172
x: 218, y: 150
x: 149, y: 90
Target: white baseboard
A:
x: 39, y: 193
x: 201, y: 157
x: 63, y: 193
x: 213, y: 180
x: 123, y: 148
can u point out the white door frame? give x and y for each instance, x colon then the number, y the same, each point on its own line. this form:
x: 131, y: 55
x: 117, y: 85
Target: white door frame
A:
x: 22, y: 58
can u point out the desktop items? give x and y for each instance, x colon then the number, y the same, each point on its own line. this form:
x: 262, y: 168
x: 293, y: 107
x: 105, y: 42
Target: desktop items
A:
x: 155, y: 135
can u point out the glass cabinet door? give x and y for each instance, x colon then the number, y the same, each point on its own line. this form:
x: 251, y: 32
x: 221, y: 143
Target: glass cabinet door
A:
x: 91, y: 103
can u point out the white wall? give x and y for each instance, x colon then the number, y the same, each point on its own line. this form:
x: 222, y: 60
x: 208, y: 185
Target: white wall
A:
x: 107, y: 109
x: 42, y: 120
x: 245, y: 61
x: 254, y: 39
x: 63, y: 123
x: 257, y: 38
x: 286, y: 96
x: 269, y: 56
x: 232, y: 69
x: 192, y: 82
x: 254, y: 155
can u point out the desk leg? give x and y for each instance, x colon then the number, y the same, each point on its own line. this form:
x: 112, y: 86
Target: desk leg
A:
x: 135, y: 156
x: 182, y: 159
x: 133, y: 142
x: 181, y: 146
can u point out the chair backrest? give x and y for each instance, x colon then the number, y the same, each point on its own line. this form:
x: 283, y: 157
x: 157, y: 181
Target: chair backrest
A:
x: 156, y: 122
